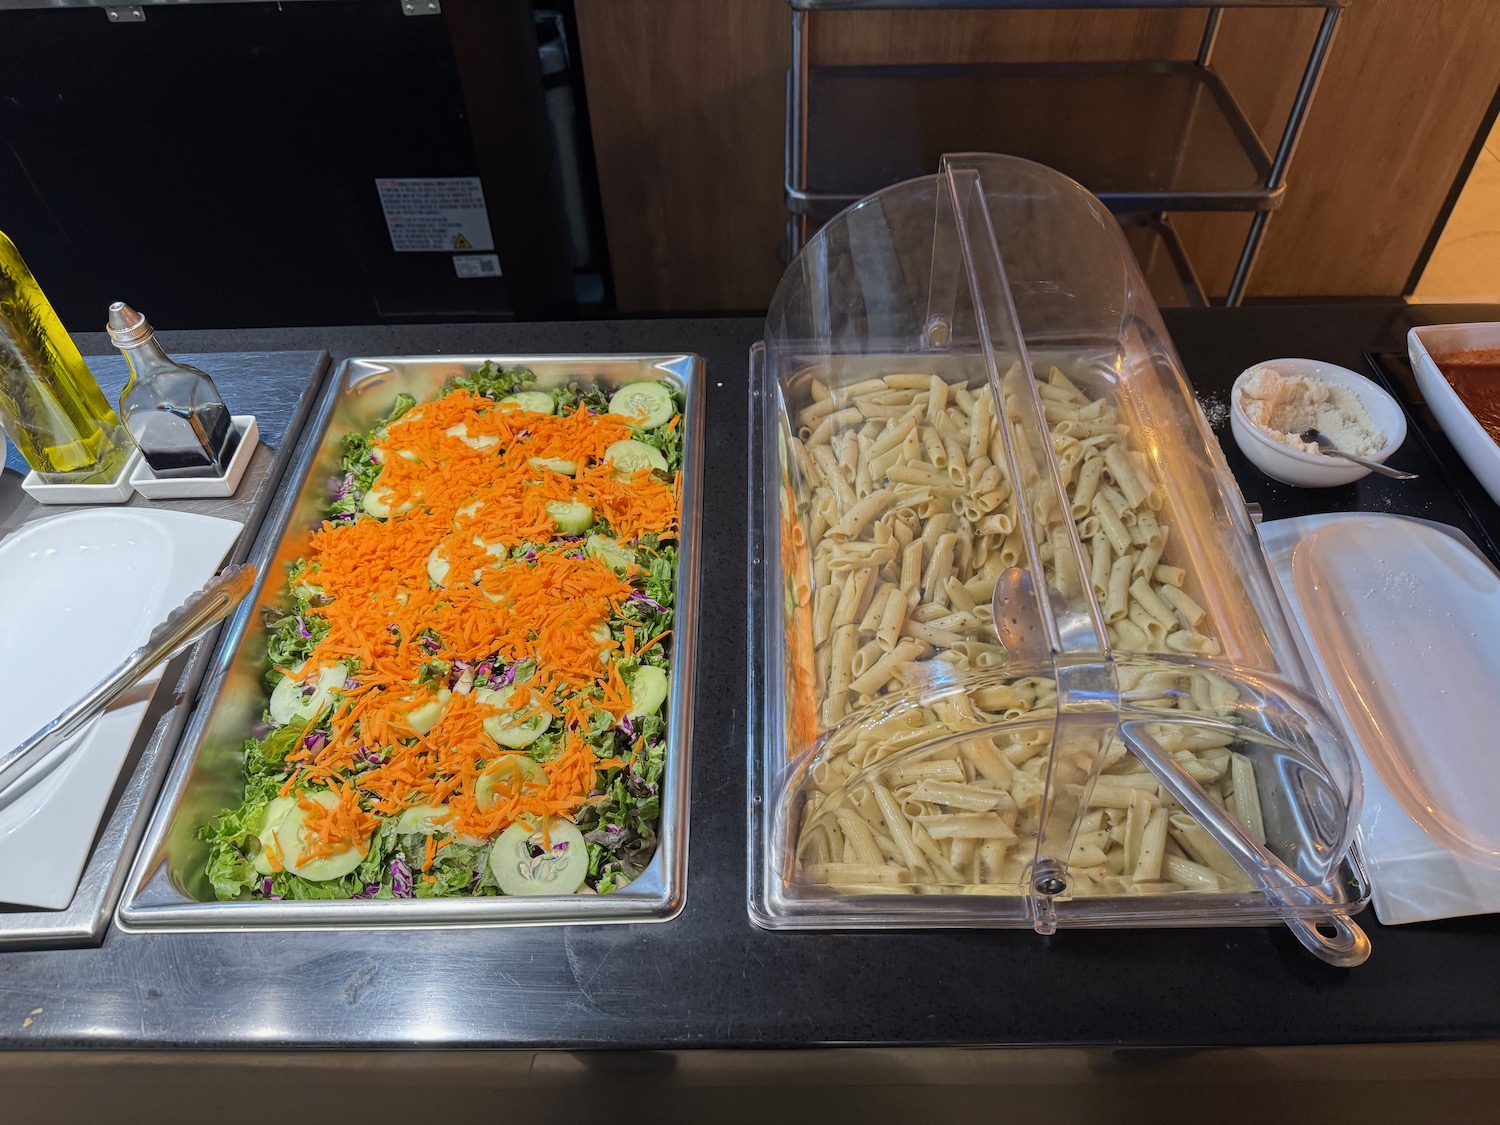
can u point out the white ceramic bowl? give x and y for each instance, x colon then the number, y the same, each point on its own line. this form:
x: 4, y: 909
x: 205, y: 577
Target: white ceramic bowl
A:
x: 1474, y: 445
x: 1314, y: 470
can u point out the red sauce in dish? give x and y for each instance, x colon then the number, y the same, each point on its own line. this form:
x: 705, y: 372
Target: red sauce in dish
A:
x: 1475, y: 378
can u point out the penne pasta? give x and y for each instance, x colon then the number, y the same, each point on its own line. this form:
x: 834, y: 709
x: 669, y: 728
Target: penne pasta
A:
x: 909, y: 519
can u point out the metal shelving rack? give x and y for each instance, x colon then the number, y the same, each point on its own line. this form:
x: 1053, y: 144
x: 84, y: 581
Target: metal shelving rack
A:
x: 1146, y: 137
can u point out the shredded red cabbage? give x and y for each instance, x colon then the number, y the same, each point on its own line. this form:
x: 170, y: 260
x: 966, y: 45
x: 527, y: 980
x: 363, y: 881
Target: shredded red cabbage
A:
x: 401, y: 881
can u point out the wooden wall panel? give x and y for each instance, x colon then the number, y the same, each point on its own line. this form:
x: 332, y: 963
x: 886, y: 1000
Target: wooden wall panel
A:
x: 1401, y: 102
x: 686, y: 101
x: 857, y: 38
x: 1404, y: 93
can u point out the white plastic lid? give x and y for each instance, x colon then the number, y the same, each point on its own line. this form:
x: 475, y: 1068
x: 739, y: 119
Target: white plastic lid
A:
x: 1403, y: 617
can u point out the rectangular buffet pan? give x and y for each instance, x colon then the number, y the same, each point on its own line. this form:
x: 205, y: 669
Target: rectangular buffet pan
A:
x: 168, y: 889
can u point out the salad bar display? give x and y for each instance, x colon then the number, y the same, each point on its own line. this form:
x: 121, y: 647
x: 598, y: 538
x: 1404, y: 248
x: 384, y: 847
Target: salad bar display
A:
x: 711, y: 977
x: 1013, y: 652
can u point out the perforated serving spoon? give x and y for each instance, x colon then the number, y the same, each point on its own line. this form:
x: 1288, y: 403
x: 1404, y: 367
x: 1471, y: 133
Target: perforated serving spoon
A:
x: 1325, y: 446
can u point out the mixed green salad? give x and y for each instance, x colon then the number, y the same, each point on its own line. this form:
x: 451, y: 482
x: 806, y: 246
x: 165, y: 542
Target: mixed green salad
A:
x: 471, y: 665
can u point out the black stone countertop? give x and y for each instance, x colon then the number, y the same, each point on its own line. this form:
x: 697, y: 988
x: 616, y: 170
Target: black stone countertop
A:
x: 710, y: 978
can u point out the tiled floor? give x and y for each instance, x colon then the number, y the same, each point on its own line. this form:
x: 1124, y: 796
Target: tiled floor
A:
x: 1465, y: 266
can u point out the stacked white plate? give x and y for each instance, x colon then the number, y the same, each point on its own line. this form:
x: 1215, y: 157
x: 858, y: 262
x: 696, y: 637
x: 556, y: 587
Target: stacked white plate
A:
x: 79, y: 592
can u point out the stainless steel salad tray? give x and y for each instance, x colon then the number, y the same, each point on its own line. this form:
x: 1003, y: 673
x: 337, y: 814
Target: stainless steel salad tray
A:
x: 168, y: 888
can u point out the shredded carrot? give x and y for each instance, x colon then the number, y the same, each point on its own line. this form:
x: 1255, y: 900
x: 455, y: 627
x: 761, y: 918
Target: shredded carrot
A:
x: 653, y: 640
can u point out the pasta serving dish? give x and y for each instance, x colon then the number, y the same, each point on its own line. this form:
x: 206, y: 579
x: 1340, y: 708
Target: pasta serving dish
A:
x: 1019, y: 657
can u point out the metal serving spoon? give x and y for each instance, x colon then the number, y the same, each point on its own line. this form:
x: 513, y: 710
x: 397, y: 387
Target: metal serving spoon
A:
x: 1325, y: 445
x: 189, y: 621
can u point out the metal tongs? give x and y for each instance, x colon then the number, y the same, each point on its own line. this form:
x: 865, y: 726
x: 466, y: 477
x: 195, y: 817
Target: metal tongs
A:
x: 187, y: 623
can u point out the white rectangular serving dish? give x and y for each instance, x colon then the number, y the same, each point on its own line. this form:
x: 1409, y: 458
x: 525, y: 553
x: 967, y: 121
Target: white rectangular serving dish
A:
x: 1402, y: 621
x: 195, y: 488
x: 116, y: 491
x: 1474, y: 445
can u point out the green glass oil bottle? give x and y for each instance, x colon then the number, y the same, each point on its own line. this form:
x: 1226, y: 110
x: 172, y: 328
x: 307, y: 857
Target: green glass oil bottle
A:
x: 50, y: 405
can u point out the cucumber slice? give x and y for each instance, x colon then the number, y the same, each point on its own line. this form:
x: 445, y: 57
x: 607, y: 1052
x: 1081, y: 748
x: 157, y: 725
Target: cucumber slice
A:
x: 479, y: 441
x: 647, y: 405
x: 438, y: 566
x: 538, y: 402
x: 503, y: 728
x: 570, y: 516
x: 412, y: 415
x: 422, y: 719
x: 630, y: 457
x: 291, y: 848
x: 291, y: 699
x: 609, y: 552
x: 554, y: 464
x: 648, y: 690
x: 377, y: 501
x: 439, y: 569
x: 499, y: 550
x: 600, y: 632
x: 504, y: 777
x: 275, y: 812
x: 470, y: 510
x: 559, y: 870
x: 428, y: 820
x: 378, y: 455
x: 423, y: 819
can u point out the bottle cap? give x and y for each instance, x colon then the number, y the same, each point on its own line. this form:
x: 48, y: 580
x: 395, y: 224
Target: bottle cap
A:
x: 126, y: 327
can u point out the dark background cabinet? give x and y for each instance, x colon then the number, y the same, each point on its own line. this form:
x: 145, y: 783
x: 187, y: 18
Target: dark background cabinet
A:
x: 216, y: 163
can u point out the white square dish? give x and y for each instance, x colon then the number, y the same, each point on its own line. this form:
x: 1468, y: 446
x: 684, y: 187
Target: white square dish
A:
x: 196, y: 488
x: 116, y: 491
x: 1474, y: 445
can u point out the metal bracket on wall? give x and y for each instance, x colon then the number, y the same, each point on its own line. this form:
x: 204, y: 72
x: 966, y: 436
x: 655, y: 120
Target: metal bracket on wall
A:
x: 421, y: 7
x: 129, y: 14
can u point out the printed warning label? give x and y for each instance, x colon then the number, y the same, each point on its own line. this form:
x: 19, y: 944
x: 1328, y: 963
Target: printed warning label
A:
x: 476, y: 265
x: 427, y: 215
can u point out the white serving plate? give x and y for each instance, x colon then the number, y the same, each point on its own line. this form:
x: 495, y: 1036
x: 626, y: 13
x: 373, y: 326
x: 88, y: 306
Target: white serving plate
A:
x: 79, y: 592
x: 1402, y: 617
x: 144, y: 481
x: 1475, y: 446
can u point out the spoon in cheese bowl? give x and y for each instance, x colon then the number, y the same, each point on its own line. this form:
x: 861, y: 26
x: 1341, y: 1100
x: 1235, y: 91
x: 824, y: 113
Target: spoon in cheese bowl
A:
x: 1325, y: 446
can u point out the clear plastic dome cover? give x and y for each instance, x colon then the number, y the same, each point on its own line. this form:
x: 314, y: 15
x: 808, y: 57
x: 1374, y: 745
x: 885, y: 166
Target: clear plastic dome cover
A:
x: 1019, y: 657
